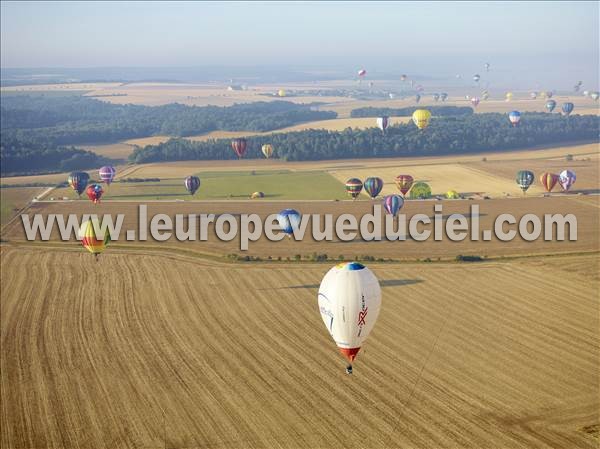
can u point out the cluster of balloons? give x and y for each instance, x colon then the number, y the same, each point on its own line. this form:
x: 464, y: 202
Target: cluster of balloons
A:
x: 565, y: 179
x: 79, y: 181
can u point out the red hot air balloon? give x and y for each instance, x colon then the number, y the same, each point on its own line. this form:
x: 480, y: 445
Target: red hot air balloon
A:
x: 94, y: 192
x: 239, y: 146
x: 404, y: 183
x: 548, y: 180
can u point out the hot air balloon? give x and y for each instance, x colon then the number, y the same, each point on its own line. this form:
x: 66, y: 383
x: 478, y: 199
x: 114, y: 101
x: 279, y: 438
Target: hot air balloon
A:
x: 567, y: 108
x: 289, y: 219
x: 90, y: 240
x: 436, y: 97
x: 403, y: 77
x: 548, y: 180
x: 349, y: 301
x: 467, y: 97
x: 383, y: 123
x: 267, y: 150
x: 549, y: 94
x: 392, y: 204
x: 586, y: 93
x: 257, y: 195
x: 192, y: 183
x: 94, y: 192
x: 417, y: 98
x: 443, y: 96
x: 354, y: 187
x: 595, y: 95
x: 525, y: 179
x: 281, y: 93
x: 404, y: 183
x: 476, y: 78
x: 509, y: 96
x: 391, y: 95
x: 452, y: 195
x: 514, y: 117
x: 361, y: 75
x: 576, y: 87
x: 533, y: 95
x: 239, y: 146
x: 485, y: 95
x: 566, y: 179
x: 78, y: 181
x: 421, y: 118
x: 550, y: 105
x: 107, y: 174
x: 487, y: 66
x: 373, y: 186
x: 475, y: 101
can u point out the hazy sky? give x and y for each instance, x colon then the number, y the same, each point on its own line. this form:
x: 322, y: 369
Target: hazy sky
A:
x: 535, y: 38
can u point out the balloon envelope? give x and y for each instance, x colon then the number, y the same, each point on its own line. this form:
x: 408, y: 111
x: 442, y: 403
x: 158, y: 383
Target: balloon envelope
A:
x: 525, y: 179
x: 267, y: 150
x: 349, y: 302
x: 289, y: 219
x: 404, y: 183
x: 567, y: 108
x: 94, y: 192
x: 107, y: 173
x: 566, y: 179
x: 78, y: 181
x: 475, y: 101
x: 548, y: 180
x: 383, y: 123
x: 354, y: 187
x: 550, y: 105
x: 93, y: 242
x: 514, y: 117
x: 192, y: 183
x: 421, y: 118
x: 392, y: 204
x: 373, y: 186
x: 239, y: 146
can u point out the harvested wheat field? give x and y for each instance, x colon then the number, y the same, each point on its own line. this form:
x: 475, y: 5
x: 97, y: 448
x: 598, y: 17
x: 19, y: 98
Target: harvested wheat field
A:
x: 150, y: 351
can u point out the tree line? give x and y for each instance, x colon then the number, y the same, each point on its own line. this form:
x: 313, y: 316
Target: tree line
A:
x: 473, y: 133
x: 437, y: 111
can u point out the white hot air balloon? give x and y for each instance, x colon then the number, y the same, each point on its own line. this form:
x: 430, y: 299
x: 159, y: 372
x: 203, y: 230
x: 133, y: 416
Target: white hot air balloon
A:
x: 349, y: 301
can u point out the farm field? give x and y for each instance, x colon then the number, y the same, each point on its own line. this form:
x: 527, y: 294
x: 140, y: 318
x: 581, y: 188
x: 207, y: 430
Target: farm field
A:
x: 14, y: 199
x: 206, y: 358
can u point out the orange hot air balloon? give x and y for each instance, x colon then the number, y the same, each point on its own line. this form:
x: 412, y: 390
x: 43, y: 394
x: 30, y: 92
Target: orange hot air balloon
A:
x: 404, y: 183
x: 548, y: 180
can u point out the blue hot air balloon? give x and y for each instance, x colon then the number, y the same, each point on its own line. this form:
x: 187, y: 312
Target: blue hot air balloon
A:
x: 289, y: 219
x: 392, y: 204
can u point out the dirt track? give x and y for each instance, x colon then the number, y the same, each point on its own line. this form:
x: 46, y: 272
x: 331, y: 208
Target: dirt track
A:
x: 487, y: 356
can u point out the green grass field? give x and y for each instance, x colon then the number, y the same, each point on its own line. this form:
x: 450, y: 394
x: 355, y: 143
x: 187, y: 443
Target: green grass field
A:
x: 276, y: 185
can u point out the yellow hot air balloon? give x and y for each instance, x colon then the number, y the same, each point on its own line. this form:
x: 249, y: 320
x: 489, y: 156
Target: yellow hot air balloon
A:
x: 509, y: 96
x: 452, y: 195
x: 267, y: 150
x: 421, y: 118
x: 281, y: 93
x: 89, y: 239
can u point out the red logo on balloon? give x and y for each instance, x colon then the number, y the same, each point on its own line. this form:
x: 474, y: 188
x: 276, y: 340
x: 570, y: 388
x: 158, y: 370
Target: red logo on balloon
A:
x: 361, y: 317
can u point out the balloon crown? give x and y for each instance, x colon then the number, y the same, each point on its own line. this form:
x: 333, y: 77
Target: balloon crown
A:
x: 350, y: 266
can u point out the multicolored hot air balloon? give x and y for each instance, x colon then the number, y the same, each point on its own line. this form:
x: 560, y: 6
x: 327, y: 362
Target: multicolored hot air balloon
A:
x: 78, y: 181
x: 107, y: 174
x: 443, y: 96
x: 475, y: 101
x: 421, y: 118
x: 192, y: 183
x: 94, y: 192
x: 392, y: 204
x: 267, y: 150
x: 349, y: 301
x: 524, y: 179
x: 89, y: 238
x: 354, y: 187
x: 289, y: 219
x: 239, y: 146
x: 476, y: 78
x: 383, y: 123
x: 567, y: 108
x: 361, y: 75
x: 509, y: 96
x: 566, y: 179
x: 404, y: 183
x: 373, y: 186
x: 514, y: 117
x: 550, y: 105
x: 417, y: 98
x: 548, y: 180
